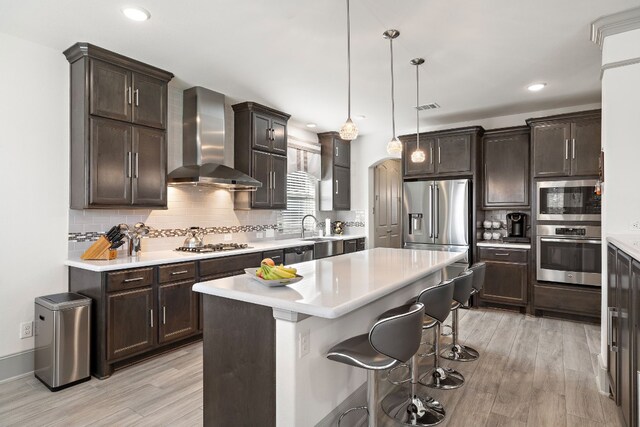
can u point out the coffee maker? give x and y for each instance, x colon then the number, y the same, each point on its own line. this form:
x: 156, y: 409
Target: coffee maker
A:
x: 517, y: 227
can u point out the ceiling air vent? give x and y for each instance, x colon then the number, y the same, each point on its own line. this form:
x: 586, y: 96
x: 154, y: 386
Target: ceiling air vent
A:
x: 431, y: 106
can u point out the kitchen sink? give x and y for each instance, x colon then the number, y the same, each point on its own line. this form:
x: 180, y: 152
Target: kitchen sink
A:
x: 321, y: 239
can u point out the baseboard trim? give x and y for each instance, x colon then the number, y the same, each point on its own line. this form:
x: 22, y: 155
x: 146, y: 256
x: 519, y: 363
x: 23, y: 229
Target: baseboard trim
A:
x: 602, y: 377
x: 357, y: 398
x: 16, y: 366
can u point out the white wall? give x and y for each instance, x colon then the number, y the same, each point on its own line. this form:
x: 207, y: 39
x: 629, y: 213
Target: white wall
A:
x: 34, y: 164
x: 369, y: 150
x: 620, y: 118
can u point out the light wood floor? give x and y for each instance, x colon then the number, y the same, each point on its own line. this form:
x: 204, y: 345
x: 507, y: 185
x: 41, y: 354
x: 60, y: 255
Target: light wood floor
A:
x: 532, y: 372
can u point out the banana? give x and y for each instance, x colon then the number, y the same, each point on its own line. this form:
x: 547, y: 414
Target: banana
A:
x: 282, y: 274
x: 288, y: 269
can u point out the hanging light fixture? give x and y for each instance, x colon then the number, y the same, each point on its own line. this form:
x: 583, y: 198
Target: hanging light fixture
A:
x: 394, y: 146
x: 349, y: 130
x: 418, y: 155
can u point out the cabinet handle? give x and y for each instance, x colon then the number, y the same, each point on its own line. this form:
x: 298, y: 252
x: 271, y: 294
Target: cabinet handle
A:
x: 137, y: 92
x: 175, y: 273
x: 337, y: 188
x: 502, y: 254
x: 439, y: 155
x: 431, y: 154
x: 573, y: 148
x: 566, y: 149
x: 137, y: 166
x: 164, y: 315
x: 151, y: 317
x: 135, y: 279
x: 273, y: 180
x: 612, y: 313
x: 129, y: 164
x: 129, y: 94
x: 337, y: 152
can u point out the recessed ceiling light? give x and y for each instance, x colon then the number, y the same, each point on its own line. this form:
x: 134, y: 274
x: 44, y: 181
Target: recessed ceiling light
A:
x: 360, y: 117
x: 536, y: 87
x: 311, y: 125
x: 136, y: 13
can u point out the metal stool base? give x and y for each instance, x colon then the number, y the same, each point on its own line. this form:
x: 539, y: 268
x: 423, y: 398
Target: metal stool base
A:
x: 442, y: 378
x: 357, y: 408
x: 416, y: 410
x: 460, y: 353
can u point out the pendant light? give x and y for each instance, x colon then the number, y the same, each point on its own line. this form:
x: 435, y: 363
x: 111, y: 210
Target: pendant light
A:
x: 394, y: 146
x: 418, y: 155
x: 349, y: 130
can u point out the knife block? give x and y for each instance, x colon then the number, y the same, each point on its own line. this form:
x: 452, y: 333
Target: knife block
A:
x: 100, y: 250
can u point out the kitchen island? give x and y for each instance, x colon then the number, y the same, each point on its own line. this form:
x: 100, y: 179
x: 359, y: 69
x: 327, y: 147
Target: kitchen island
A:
x: 264, y: 348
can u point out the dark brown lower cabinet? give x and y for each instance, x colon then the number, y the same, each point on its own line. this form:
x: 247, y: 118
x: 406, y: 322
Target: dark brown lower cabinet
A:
x: 133, y: 309
x: 506, y: 275
x: 178, y: 311
x: 623, y: 331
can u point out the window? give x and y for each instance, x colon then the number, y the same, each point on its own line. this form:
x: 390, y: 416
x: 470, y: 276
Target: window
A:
x: 301, y: 201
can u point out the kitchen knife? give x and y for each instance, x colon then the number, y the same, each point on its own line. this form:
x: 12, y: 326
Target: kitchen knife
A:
x: 113, y: 231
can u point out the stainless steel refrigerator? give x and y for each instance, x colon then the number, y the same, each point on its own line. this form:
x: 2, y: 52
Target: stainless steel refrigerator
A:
x: 437, y: 216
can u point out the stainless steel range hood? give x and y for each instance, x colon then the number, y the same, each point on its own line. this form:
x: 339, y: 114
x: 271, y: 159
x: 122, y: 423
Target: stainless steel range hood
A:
x: 203, y: 145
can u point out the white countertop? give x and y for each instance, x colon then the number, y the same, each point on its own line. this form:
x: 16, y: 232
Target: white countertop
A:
x: 630, y: 243
x: 333, y: 287
x: 146, y: 259
x: 489, y: 244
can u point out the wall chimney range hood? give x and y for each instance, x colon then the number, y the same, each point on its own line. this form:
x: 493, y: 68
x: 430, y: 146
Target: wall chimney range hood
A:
x: 203, y: 145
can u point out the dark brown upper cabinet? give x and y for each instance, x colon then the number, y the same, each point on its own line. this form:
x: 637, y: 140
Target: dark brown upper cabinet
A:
x: 335, y: 185
x: 505, y: 163
x: 260, y: 128
x: 118, y: 130
x: 447, y: 153
x: 260, y: 135
x: 566, y: 145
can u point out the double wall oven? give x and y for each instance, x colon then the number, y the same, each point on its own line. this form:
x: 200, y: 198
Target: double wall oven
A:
x: 568, y: 233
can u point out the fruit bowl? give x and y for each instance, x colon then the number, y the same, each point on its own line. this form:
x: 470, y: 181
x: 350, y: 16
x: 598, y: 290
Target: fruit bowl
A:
x: 271, y: 283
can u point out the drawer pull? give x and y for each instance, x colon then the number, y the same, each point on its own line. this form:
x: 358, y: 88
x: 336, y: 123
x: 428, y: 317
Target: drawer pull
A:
x: 175, y: 273
x: 502, y: 254
x: 135, y: 279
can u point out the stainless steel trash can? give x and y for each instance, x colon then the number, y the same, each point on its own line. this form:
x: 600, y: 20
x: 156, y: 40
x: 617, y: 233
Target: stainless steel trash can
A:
x: 62, y: 328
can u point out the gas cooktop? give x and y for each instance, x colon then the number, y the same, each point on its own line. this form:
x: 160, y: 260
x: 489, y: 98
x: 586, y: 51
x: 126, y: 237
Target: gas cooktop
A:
x: 218, y: 247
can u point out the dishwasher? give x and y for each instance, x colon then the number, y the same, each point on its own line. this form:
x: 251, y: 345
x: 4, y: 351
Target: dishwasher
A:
x: 298, y: 254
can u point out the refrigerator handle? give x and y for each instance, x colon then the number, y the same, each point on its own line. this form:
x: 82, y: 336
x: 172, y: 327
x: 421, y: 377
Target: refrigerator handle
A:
x: 436, y: 210
x: 431, y: 216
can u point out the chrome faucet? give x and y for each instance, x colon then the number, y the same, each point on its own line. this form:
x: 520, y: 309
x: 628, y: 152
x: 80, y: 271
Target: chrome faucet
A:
x: 315, y: 223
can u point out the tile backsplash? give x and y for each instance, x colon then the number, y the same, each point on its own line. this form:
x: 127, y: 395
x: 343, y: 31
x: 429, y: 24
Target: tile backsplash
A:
x: 205, y: 207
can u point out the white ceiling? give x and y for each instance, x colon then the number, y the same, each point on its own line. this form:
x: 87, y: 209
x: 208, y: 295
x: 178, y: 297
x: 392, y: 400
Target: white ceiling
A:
x: 291, y: 54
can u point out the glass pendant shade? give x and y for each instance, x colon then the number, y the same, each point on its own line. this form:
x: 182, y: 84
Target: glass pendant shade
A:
x: 349, y: 130
x: 394, y: 146
x: 418, y: 156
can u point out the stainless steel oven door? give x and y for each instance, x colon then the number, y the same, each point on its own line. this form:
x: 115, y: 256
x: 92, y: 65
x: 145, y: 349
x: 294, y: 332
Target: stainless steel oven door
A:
x: 569, y: 260
x: 568, y: 200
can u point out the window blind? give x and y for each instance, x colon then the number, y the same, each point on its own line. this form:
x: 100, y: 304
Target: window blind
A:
x: 301, y: 201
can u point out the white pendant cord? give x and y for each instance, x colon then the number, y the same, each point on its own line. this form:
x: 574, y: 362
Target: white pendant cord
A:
x: 393, y: 103
x: 348, y: 61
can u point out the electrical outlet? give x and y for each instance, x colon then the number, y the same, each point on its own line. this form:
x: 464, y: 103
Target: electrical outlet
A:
x: 270, y: 233
x: 259, y: 235
x: 26, y: 329
x: 304, y: 343
x: 228, y: 237
x: 635, y: 225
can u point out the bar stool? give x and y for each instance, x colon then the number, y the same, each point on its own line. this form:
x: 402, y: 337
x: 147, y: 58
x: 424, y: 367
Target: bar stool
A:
x: 461, y: 295
x: 406, y: 404
x: 440, y: 377
x: 479, y: 269
x: 391, y: 341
